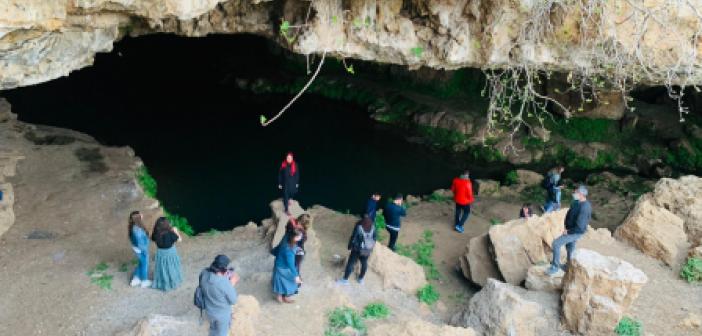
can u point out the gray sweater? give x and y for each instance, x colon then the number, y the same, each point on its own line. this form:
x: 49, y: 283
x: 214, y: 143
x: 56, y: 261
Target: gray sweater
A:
x: 219, y: 294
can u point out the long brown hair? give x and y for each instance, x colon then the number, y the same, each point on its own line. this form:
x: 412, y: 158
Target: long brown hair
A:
x: 305, y: 220
x: 162, y: 226
x: 291, y: 238
x: 135, y: 220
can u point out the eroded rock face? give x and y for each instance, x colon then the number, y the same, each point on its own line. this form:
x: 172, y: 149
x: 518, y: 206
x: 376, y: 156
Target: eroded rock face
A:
x: 396, y: 271
x: 655, y: 231
x: 597, y: 291
x: 280, y: 219
x: 419, y: 328
x: 477, y: 264
x: 41, y: 40
x: 682, y: 197
x: 502, y: 309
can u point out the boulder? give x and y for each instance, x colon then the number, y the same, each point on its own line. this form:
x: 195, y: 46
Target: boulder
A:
x: 396, y: 271
x: 418, y: 328
x: 488, y: 187
x: 503, y: 309
x: 692, y: 321
x: 655, y: 231
x: 7, y: 215
x: 597, y: 291
x: 245, y: 316
x: 695, y: 252
x: 280, y: 218
x: 520, y: 243
x: 538, y: 280
x: 529, y: 178
x: 682, y: 197
x: 477, y: 264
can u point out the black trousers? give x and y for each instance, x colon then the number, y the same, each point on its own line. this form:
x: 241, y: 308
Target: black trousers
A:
x: 287, y: 195
x: 353, y: 257
x: 393, y: 238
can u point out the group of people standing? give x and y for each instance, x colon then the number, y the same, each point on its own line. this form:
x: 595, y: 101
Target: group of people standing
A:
x: 167, y: 270
x: 216, y: 291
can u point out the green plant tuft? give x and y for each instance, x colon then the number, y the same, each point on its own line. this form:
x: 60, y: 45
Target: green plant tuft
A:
x: 98, y: 275
x: 422, y: 253
x: 692, y: 270
x: 179, y: 222
x: 342, y: 317
x: 436, y: 197
x: 628, y: 327
x: 428, y: 294
x: 147, y: 182
x: 511, y: 178
x: 376, y: 310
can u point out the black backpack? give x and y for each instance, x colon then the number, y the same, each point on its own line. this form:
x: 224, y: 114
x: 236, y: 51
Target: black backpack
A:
x: 199, y: 297
x: 546, y: 183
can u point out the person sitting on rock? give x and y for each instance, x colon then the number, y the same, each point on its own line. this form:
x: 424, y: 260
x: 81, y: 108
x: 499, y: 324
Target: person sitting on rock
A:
x: 463, y: 197
x: 139, y: 237
x: 288, y: 180
x: 553, y: 189
x: 372, y: 206
x: 217, y: 284
x: 286, y: 278
x: 361, y: 245
x: 576, y: 223
x: 525, y: 211
x: 393, y: 214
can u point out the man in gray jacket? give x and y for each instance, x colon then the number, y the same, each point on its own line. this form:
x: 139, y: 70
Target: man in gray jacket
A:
x: 576, y: 222
x: 217, y: 283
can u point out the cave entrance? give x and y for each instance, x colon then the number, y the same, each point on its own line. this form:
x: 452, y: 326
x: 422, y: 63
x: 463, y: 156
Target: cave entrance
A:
x: 176, y: 102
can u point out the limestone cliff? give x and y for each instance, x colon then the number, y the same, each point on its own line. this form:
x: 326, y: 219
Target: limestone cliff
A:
x: 45, y: 39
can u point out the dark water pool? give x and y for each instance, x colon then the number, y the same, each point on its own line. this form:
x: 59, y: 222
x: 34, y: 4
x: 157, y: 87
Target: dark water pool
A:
x: 166, y: 97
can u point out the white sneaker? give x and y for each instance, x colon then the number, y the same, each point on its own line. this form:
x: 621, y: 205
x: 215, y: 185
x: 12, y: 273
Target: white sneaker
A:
x: 135, y: 282
x: 146, y: 284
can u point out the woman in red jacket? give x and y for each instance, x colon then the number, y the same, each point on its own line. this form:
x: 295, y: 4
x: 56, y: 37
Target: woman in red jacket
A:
x: 463, y: 196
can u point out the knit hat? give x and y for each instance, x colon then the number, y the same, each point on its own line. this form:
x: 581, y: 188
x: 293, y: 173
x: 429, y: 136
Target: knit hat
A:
x: 220, y: 263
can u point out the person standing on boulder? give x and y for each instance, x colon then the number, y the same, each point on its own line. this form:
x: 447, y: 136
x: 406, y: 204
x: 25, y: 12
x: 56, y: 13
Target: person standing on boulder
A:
x: 286, y: 279
x: 288, y: 180
x: 139, y: 237
x: 218, y: 293
x: 553, y: 189
x: 167, y: 272
x: 361, y: 245
x: 393, y: 214
x: 576, y: 223
x: 463, y: 197
x: 372, y: 206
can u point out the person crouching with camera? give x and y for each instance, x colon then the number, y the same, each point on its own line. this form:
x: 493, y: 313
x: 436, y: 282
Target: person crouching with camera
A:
x: 218, y: 293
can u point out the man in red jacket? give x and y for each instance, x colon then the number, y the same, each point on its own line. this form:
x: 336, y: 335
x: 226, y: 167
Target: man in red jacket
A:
x: 463, y: 196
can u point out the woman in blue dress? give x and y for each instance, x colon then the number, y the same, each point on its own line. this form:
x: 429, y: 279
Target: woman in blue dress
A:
x: 167, y: 272
x: 286, y: 278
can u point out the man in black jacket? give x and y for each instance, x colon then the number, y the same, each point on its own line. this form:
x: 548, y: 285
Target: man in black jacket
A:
x: 393, y: 213
x: 576, y: 222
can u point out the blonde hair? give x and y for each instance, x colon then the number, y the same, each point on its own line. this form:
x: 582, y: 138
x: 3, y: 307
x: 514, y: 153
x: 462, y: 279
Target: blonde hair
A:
x: 305, y: 220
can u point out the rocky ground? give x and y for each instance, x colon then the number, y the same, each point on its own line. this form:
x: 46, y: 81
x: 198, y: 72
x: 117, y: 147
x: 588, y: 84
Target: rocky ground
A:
x: 72, y: 197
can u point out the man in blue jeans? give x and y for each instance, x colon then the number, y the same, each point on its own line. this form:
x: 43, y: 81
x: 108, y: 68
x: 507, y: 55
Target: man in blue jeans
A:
x: 576, y: 222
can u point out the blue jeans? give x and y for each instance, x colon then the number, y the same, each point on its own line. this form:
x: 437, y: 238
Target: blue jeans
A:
x: 553, y: 201
x: 569, y: 241
x: 219, y: 325
x: 142, y: 269
x: 462, y: 214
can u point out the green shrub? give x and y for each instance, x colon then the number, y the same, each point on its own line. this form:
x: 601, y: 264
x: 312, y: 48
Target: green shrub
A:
x: 422, y: 253
x: 146, y: 181
x: 179, y: 222
x: 441, y: 137
x: 376, y: 310
x: 98, y: 275
x: 534, y: 194
x: 692, y: 270
x: 584, y: 129
x: 342, y: 317
x: 511, y: 178
x: 428, y: 294
x: 628, y: 327
x: 436, y: 197
x: 495, y: 221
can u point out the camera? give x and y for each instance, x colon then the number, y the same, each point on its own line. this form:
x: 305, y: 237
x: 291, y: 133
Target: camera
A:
x: 230, y: 272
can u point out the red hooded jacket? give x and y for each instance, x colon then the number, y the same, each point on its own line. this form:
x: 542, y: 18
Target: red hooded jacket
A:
x: 462, y: 191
